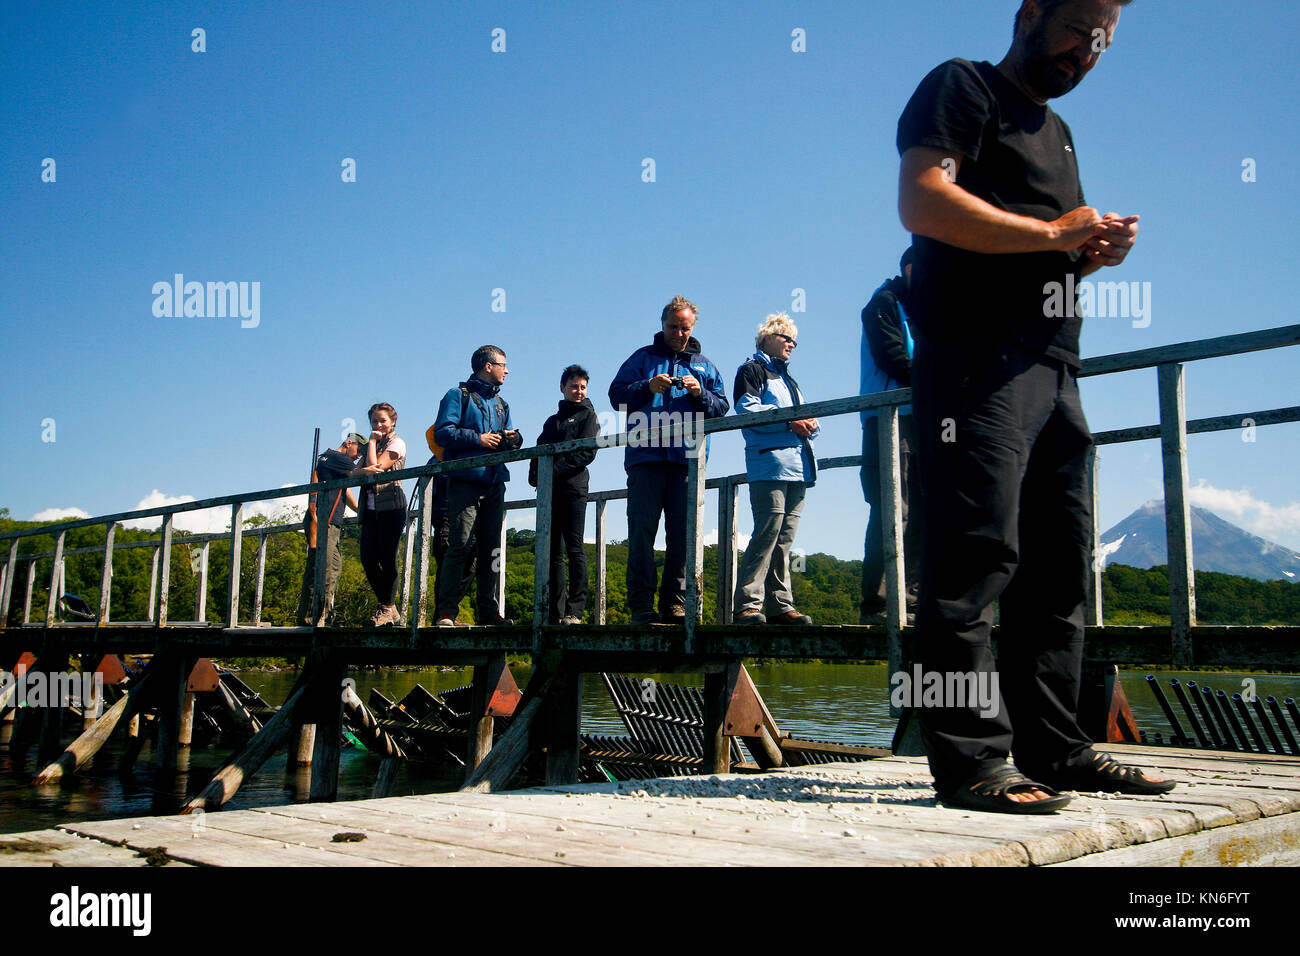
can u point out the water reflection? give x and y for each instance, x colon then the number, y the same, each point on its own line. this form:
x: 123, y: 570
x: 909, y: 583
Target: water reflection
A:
x: 840, y: 702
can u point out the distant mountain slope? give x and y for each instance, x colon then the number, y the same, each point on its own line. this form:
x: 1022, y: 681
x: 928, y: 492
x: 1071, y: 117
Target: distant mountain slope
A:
x: 1217, y: 545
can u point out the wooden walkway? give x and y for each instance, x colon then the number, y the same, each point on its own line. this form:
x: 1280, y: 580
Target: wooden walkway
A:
x: 1230, y: 809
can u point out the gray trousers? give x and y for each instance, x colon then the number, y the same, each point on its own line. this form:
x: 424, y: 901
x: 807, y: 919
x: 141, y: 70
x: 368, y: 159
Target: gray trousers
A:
x: 765, y: 566
x: 475, y: 514
x: 333, y: 569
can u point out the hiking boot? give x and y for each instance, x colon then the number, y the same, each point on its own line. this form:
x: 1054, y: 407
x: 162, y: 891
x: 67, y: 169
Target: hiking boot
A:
x: 676, y: 614
x: 495, y: 620
x: 569, y: 620
x: 790, y: 617
x: 445, y: 620
x: 747, y: 618
x: 640, y: 618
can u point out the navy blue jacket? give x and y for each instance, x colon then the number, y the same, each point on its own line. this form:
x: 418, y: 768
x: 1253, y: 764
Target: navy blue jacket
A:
x: 459, y: 424
x: 630, y: 393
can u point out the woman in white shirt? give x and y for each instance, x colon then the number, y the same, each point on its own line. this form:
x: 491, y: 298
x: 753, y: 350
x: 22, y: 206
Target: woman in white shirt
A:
x: 383, y: 510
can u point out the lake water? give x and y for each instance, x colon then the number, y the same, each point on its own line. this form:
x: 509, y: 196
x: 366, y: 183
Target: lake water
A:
x: 842, y: 702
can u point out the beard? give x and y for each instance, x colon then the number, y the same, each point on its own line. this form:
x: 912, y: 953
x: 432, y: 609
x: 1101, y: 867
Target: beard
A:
x: 1049, y: 76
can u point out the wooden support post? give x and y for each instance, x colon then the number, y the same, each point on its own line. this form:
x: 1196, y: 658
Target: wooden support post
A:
x: 719, y: 686
x: 542, y: 582
x: 236, y: 560
x: 27, y: 596
x: 1093, y: 611
x: 238, y: 712
x: 602, y: 562
x: 693, y: 436
x: 56, y: 572
x: 727, y: 490
x: 50, y: 744
x: 153, y: 585
x: 423, y: 530
x: 201, y: 598
x: 6, y: 593
x: 388, y: 768
x: 185, y: 738
x: 326, y: 701
x: 106, y: 575
x: 302, y: 744
x: 261, y: 579
x: 499, y: 767
x: 891, y: 500
x: 165, y: 567
x: 408, y: 561
x: 169, y: 696
x: 248, y: 761
x: 368, y: 731
x: 1178, y: 518
x: 487, y: 677
x: 564, y: 726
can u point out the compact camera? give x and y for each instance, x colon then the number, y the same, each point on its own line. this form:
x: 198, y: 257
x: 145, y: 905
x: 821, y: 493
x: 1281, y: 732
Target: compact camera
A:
x: 677, y: 382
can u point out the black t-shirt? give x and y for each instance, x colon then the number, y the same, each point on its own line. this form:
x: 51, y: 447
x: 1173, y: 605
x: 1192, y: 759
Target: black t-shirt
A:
x: 331, y: 465
x: 1019, y: 156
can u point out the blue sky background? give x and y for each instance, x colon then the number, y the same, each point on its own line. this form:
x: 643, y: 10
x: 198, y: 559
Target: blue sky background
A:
x: 522, y: 171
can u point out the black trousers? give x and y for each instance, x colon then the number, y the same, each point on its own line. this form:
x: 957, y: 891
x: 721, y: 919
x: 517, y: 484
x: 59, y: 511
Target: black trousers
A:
x: 439, y: 543
x: 380, y: 533
x: 654, y: 489
x: 568, y: 523
x: 873, y: 551
x: 1002, y: 454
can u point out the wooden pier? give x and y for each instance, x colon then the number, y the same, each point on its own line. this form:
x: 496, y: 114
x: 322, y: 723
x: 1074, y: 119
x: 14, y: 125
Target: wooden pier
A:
x: 1228, y: 810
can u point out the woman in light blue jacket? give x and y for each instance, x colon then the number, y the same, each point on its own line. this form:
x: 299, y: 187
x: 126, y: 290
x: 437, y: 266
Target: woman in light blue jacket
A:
x: 780, y: 464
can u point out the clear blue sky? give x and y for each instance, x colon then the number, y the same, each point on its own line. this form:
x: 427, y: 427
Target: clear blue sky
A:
x: 522, y: 171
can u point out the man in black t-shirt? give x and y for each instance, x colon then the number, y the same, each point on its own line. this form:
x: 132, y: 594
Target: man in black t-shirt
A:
x: 990, y: 189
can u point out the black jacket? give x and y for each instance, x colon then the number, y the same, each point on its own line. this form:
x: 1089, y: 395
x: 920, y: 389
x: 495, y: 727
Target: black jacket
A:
x: 572, y: 420
x: 885, y: 335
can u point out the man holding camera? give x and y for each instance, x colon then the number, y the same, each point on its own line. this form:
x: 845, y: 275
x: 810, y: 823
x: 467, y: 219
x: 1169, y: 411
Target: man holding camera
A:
x: 666, y: 382
x: 474, y: 420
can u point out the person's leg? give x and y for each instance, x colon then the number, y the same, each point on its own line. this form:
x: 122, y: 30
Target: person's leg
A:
x: 644, y: 505
x: 911, y: 509
x: 1040, y: 648
x: 780, y: 587
x: 333, y: 569
x: 462, y: 509
x: 672, y: 589
x: 439, y: 541
x: 492, y: 516
x: 873, y: 547
x: 574, y: 531
x: 767, y: 505
x: 976, y: 421
x: 370, y: 559
x: 559, y: 518
x: 391, y: 525
x: 303, y: 615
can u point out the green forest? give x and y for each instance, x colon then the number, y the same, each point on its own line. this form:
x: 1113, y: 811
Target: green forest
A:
x: 825, y: 587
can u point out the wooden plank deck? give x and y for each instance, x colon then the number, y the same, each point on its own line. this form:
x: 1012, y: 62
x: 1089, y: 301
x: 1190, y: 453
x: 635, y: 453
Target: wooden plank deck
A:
x: 1230, y: 809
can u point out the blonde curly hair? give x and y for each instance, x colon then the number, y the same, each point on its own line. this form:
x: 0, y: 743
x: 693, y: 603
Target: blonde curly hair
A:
x: 778, y: 323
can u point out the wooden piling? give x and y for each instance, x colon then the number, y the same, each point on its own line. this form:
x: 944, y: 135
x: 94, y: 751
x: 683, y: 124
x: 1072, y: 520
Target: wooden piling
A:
x: 719, y: 686
x: 325, y: 698
x: 499, y: 767
x: 564, y: 727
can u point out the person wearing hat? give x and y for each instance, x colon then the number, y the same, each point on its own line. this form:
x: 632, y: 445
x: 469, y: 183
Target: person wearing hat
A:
x: 333, y: 464
x: 886, y: 364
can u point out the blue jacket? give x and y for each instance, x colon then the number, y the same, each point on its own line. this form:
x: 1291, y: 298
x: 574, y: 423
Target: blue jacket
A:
x: 459, y: 424
x: 886, y: 344
x: 773, y: 452
x: 630, y: 393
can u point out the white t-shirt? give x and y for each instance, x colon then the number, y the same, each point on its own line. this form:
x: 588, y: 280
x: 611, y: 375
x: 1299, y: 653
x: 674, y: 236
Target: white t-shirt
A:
x: 398, y: 448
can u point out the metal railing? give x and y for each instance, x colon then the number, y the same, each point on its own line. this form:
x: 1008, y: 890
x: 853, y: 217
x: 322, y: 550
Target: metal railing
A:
x: 1172, y: 430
